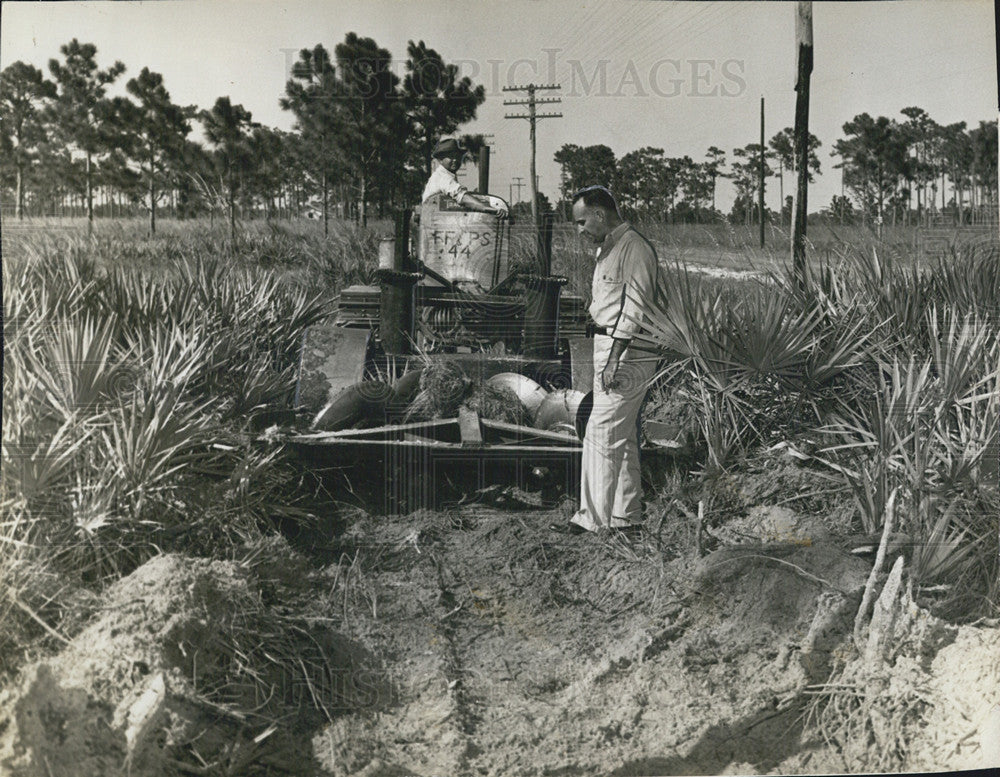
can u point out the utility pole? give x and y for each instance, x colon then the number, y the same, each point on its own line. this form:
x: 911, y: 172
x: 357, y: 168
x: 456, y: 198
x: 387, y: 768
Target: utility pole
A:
x: 518, y: 184
x: 781, y: 192
x: 532, y: 116
x: 804, y: 40
x: 760, y: 188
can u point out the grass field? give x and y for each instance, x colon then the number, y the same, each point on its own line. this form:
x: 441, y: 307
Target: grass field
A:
x: 139, y: 373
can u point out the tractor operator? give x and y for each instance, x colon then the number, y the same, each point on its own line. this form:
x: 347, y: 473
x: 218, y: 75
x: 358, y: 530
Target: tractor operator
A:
x: 449, y: 155
x: 626, y: 282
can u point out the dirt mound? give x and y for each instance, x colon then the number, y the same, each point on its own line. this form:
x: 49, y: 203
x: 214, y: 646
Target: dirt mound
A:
x: 188, y: 663
x: 963, y: 722
x: 920, y: 695
x: 771, y: 590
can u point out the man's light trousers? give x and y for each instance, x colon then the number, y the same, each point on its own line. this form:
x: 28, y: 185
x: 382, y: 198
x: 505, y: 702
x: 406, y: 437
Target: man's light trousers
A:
x: 611, y: 483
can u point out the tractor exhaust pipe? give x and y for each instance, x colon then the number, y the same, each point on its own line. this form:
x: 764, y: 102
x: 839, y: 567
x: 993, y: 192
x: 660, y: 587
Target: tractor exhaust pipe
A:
x: 543, y: 250
x: 541, y: 315
x: 484, y: 170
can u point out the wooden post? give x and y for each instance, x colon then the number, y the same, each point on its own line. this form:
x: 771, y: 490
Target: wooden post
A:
x: 804, y: 40
x: 484, y: 170
x: 518, y: 185
x: 781, y: 192
x: 533, y: 178
x: 533, y: 116
x: 760, y: 190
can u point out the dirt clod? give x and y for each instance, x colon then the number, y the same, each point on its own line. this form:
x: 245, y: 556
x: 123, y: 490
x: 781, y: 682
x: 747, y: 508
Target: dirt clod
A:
x: 185, y: 663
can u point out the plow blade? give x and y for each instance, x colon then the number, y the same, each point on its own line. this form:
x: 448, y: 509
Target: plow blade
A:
x: 404, y: 467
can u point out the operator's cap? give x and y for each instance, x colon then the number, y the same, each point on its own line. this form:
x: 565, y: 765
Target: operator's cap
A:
x: 448, y: 147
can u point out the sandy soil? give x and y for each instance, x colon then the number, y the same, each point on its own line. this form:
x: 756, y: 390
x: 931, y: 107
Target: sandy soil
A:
x: 474, y: 641
x: 583, y: 655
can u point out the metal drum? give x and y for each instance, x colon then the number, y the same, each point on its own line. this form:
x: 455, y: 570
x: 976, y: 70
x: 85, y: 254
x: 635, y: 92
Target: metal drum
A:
x: 559, y: 411
x: 465, y: 246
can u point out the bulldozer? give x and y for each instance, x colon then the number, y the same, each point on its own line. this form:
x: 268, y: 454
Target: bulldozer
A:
x: 448, y: 301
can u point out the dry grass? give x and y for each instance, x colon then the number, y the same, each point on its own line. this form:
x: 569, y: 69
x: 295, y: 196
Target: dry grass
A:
x: 868, y: 715
x: 443, y: 387
x: 296, y: 252
x: 497, y: 403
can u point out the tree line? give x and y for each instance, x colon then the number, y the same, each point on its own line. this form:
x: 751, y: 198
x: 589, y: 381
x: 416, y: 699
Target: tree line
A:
x: 917, y: 170
x: 652, y: 186
x: 914, y: 171
x: 363, y: 136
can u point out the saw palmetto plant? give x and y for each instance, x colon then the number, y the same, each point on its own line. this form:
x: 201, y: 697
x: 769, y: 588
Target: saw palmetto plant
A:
x: 764, y: 364
x: 129, y: 404
x: 895, y: 367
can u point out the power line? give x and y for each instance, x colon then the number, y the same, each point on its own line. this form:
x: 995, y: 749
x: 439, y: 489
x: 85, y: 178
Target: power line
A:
x: 586, y: 23
x: 626, y: 28
x: 643, y: 40
x: 655, y: 37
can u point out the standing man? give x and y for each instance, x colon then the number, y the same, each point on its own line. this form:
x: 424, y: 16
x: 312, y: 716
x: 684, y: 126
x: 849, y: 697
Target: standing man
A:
x: 626, y: 282
x: 449, y: 155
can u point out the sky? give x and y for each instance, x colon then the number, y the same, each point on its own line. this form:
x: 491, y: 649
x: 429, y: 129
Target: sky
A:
x: 680, y: 76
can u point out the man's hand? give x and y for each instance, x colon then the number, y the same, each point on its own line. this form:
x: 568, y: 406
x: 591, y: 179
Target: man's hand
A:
x: 481, y: 204
x: 609, y: 373
x: 489, y: 207
x: 608, y: 381
x: 498, y: 210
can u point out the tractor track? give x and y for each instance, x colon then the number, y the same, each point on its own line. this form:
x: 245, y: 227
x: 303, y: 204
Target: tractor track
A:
x: 450, y: 608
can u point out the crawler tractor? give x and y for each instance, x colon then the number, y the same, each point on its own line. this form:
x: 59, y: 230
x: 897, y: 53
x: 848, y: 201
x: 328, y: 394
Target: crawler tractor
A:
x: 448, y: 301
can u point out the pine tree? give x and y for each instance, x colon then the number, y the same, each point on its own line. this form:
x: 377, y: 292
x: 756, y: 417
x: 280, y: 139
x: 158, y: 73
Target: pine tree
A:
x: 81, y: 109
x: 369, y: 109
x: 783, y: 148
x: 713, y: 167
x: 437, y: 101
x: 874, y: 155
x: 313, y: 95
x: 746, y: 178
x: 226, y: 128
x: 152, y: 130
x: 24, y: 91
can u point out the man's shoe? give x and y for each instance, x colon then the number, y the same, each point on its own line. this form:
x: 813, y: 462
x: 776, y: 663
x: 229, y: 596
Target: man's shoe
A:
x: 569, y: 528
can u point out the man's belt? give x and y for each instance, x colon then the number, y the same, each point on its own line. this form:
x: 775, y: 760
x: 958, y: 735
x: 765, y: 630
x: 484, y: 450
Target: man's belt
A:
x: 593, y: 329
